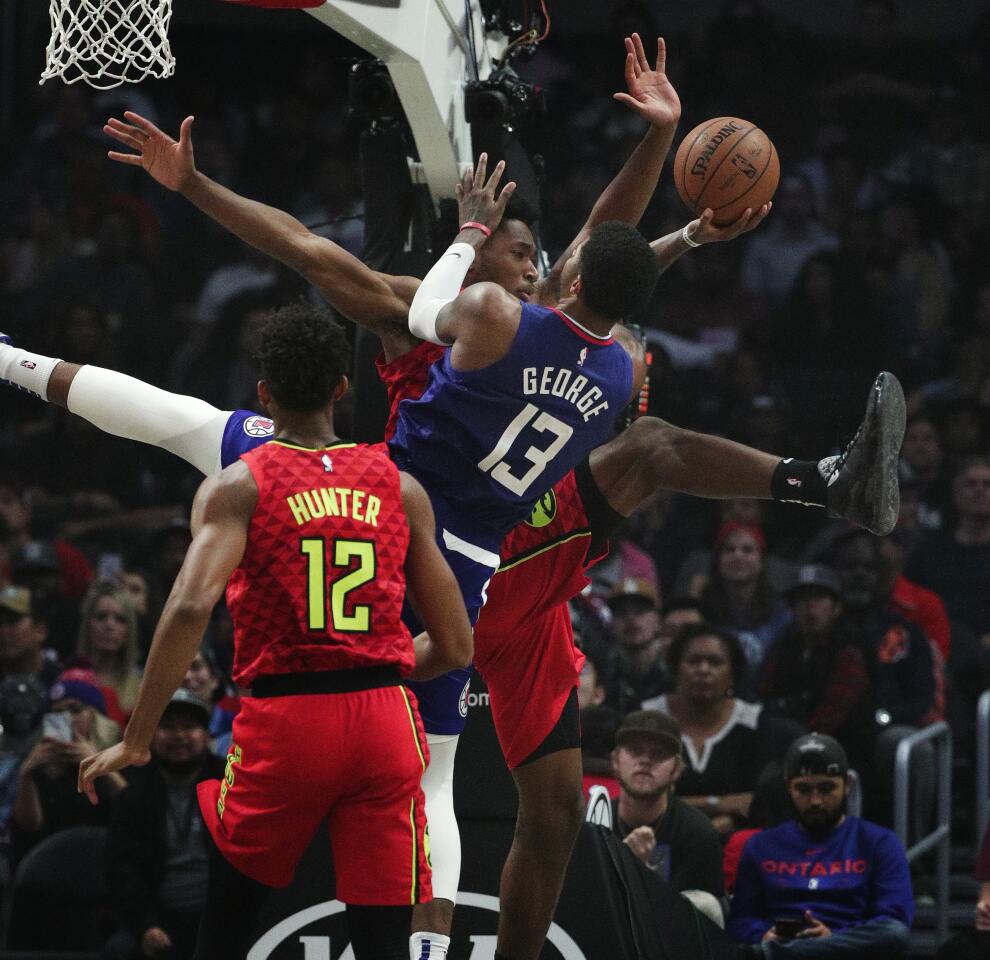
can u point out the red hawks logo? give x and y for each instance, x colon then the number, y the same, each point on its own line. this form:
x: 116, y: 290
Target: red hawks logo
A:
x: 259, y: 427
x: 29, y: 364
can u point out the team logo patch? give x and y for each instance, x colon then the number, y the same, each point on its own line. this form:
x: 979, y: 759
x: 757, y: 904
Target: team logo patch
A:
x: 462, y: 702
x: 259, y: 427
x: 544, y: 510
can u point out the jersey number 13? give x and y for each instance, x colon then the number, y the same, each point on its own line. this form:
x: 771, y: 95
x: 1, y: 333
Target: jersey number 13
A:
x: 495, y: 462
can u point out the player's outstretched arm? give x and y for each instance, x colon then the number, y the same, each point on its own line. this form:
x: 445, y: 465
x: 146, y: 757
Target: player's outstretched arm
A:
x: 448, y: 642
x: 698, y: 232
x: 653, y: 97
x: 221, y: 514
x: 376, y: 301
x: 121, y: 405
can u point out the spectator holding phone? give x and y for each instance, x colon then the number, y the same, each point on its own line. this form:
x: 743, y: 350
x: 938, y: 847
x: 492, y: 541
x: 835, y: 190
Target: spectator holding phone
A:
x: 825, y: 885
x: 46, y: 798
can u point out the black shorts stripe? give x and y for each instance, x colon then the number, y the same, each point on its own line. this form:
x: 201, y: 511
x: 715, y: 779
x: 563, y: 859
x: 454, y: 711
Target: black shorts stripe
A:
x: 602, y: 519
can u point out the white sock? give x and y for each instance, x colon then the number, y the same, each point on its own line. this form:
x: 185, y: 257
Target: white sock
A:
x: 28, y: 371
x: 428, y: 946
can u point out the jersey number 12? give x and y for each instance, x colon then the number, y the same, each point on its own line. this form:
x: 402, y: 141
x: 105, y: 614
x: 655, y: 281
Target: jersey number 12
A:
x: 344, y: 552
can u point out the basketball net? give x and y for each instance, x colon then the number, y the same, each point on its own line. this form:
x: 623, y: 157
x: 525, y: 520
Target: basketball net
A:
x: 109, y: 42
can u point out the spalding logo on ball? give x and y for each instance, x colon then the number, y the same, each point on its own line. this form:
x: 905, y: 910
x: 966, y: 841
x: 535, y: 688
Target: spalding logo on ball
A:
x: 727, y: 164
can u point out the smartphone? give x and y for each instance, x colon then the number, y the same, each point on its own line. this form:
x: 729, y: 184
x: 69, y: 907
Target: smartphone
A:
x: 788, y: 928
x: 57, y: 726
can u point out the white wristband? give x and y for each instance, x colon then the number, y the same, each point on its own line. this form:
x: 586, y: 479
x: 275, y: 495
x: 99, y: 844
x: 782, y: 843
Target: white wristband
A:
x: 439, y: 287
x: 687, y: 239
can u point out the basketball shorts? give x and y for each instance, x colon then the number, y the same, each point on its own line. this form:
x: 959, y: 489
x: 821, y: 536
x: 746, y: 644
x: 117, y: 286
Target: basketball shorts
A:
x: 473, y: 558
x: 355, y: 758
x: 523, y: 643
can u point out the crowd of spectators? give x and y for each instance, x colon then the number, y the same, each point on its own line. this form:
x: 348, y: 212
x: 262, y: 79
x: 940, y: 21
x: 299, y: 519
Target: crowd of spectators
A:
x: 742, y: 623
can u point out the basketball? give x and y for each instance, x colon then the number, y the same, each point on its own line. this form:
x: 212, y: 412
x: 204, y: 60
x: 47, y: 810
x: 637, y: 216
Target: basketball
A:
x: 727, y: 164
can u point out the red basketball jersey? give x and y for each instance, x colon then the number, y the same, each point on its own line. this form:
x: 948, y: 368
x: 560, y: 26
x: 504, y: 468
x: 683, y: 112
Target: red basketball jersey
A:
x: 321, y: 583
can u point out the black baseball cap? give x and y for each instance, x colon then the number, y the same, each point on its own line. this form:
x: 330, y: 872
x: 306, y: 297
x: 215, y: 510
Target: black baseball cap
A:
x: 187, y: 702
x: 653, y: 725
x: 815, y: 755
x: 815, y: 576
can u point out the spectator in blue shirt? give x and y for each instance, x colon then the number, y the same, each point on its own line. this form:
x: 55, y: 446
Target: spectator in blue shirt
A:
x: 825, y: 885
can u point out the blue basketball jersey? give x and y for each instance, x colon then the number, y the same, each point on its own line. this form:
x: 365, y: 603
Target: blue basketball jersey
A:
x: 244, y: 431
x: 491, y: 441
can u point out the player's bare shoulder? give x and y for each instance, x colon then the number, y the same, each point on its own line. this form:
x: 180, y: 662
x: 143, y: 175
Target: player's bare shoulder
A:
x: 230, y: 495
x: 482, y: 323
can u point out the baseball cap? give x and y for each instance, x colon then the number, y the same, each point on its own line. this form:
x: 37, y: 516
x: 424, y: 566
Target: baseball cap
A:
x: 735, y: 526
x: 633, y: 591
x: 815, y: 575
x: 652, y: 724
x: 79, y: 683
x: 186, y: 699
x: 815, y: 754
x: 16, y: 600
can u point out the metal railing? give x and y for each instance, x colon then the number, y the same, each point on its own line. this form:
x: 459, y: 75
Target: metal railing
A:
x: 938, y: 839
x: 982, y: 764
x: 855, y: 802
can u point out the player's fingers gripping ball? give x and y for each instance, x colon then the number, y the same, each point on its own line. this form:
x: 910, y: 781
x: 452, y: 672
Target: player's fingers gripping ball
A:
x: 727, y: 164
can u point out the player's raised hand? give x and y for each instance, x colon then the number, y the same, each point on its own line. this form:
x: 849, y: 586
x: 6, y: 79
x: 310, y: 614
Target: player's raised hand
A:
x: 476, y: 196
x: 650, y: 93
x: 169, y: 161
x: 107, y: 761
x: 704, y: 230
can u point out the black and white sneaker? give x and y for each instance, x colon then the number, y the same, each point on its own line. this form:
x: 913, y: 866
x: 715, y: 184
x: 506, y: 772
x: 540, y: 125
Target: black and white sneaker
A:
x: 862, y: 480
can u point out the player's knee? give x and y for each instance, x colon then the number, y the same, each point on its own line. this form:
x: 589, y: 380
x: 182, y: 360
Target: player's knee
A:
x: 557, y: 815
x: 652, y: 437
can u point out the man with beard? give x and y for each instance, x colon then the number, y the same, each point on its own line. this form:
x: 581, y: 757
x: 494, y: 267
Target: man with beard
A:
x: 158, y: 843
x: 824, y: 885
x: 673, y: 839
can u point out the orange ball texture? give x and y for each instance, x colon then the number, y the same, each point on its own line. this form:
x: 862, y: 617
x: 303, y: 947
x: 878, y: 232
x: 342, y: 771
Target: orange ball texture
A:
x: 727, y: 164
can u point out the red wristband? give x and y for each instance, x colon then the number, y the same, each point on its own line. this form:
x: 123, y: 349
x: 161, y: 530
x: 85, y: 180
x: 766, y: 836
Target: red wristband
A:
x: 487, y: 231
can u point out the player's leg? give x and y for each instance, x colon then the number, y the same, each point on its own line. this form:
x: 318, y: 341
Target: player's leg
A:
x: 229, y: 893
x: 551, y: 810
x: 432, y: 921
x: 121, y: 405
x: 860, y: 484
x: 443, y: 707
x: 378, y: 828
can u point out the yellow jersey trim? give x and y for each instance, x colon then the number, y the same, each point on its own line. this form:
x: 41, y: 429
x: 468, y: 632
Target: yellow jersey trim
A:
x: 296, y: 446
x: 523, y: 557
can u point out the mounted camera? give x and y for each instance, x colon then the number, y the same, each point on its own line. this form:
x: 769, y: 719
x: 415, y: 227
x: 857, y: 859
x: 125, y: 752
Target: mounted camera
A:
x: 371, y: 92
x: 502, y: 99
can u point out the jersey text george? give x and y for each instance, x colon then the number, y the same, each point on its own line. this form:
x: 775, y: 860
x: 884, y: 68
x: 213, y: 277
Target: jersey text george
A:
x: 561, y: 382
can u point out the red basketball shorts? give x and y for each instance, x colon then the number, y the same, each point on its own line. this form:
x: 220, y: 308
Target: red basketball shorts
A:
x: 354, y: 758
x: 523, y: 642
